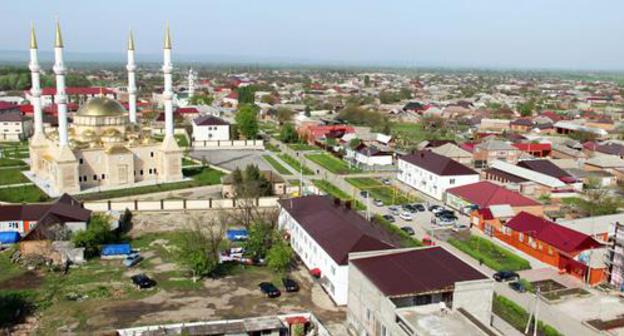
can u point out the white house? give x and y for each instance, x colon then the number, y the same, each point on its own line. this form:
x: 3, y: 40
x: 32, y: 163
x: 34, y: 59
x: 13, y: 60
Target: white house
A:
x: 323, y: 233
x: 210, y: 128
x: 433, y: 174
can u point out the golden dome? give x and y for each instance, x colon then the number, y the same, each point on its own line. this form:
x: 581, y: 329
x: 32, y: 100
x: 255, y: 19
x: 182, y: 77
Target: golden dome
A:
x: 101, y: 107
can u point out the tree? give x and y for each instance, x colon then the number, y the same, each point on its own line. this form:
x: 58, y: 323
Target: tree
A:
x: 284, y: 115
x: 98, y: 233
x: 270, y: 99
x: 201, y: 99
x: 366, y: 80
x: 288, y: 134
x: 526, y: 109
x: 199, y: 248
x: 259, y: 239
x: 246, y: 94
x: 331, y: 142
x: 279, y: 255
x: 308, y: 111
x: 247, y: 121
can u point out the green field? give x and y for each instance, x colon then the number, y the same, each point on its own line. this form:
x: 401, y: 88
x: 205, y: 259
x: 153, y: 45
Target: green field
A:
x: 24, y: 194
x: 387, y: 194
x: 334, y: 191
x: 9, y: 162
x: 12, y: 176
x: 201, y: 176
x: 492, y: 255
x: 276, y: 165
x: 302, y: 147
x: 334, y: 165
x: 295, y: 164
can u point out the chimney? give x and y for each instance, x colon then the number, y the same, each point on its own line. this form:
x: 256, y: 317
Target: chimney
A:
x: 337, y: 201
x: 348, y: 205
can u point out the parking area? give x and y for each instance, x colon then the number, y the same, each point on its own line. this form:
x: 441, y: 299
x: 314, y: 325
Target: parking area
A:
x: 232, y: 159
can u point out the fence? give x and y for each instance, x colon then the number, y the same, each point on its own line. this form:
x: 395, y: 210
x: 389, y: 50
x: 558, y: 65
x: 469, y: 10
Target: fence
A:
x: 229, y: 144
x: 178, y: 204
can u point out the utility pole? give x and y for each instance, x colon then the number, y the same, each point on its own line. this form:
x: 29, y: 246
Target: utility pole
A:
x: 537, y: 298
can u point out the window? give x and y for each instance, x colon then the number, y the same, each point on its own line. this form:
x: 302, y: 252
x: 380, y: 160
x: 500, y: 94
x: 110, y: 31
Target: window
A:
x: 103, y: 176
x: 452, y: 181
x: 155, y: 172
x: 521, y: 237
x: 94, y: 177
x: 149, y: 171
x: 81, y: 161
x: 151, y: 154
x: 141, y: 172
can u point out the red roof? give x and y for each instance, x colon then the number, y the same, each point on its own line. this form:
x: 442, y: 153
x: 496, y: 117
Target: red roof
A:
x: 233, y: 95
x: 486, y: 213
x: 53, y: 108
x: 50, y: 91
x: 525, y: 147
x: 8, y: 106
x: 485, y: 194
x: 26, y: 108
x: 187, y: 110
x: 467, y: 146
x: 561, y: 237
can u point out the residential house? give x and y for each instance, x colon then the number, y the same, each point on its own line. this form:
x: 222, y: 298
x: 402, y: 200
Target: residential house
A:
x: 485, y: 153
x: 539, y: 150
x: 557, y: 245
x: 318, y: 133
x: 607, y: 163
x: 547, y: 167
x: 452, y: 151
x: 323, y: 232
x: 369, y: 155
x: 571, y: 127
x: 614, y: 257
x: 433, y: 174
x: 14, y: 126
x: 526, y: 181
x: 49, y: 221
x: 485, y: 194
x: 417, y: 291
x: 521, y: 125
x: 210, y: 128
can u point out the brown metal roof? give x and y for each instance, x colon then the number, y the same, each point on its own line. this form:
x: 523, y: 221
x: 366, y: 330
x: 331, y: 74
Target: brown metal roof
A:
x: 437, y: 164
x: 416, y: 271
x: 337, y: 229
x: 66, y: 208
x: 208, y: 120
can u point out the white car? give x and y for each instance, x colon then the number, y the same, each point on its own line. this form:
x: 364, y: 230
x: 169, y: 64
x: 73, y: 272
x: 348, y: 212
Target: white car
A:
x: 445, y: 222
x: 406, y: 215
x: 437, y: 210
x: 460, y: 227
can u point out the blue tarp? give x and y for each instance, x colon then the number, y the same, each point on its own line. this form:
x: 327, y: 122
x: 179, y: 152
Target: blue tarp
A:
x: 237, y: 234
x: 9, y: 237
x: 116, y: 249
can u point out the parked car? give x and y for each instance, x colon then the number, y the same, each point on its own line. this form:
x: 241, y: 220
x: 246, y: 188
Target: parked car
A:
x: 269, y: 289
x: 445, y: 213
x: 408, y: 230
x: 409, y: 208
x: 364, y: 193
x: 460, y: 227
x: 406, y: 215
x: 420, y: 207
x: 517, y: 286
x: 389, y: 218
x: 386, y: 181
x: 142, y: 281
x: 378, y: 202
x: 445, y: 221
x: 132, y: 259
x: 506, y: 276
x: 434, y: 207
x: 437, y: 210
x: 394, y: 210
x: 290, y: 285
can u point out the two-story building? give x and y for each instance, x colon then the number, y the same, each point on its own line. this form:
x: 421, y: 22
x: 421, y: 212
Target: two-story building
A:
x: 14, y: 126
x: 417, y: 291
x: 493, y: 150
x: 433, y: 174
x: 323, y: 232
x: 210, y: 128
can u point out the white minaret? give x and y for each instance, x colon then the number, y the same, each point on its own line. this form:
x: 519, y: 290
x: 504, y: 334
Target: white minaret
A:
x: 191, y: 83
x: 131, y: 67
x: 61, y: 97
x: 35, y: 90
x: 168, y: 91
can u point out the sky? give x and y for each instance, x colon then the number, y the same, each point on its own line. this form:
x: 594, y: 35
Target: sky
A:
x: 519, y: 34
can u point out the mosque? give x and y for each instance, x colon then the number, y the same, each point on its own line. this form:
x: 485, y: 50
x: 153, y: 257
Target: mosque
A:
x: 104, y: 146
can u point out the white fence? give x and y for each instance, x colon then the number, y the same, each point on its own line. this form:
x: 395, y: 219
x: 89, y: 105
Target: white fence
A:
x: 229, y: 144
x: 178, y: 205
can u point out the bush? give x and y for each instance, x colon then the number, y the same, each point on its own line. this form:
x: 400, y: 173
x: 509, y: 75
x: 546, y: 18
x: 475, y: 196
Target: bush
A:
x: 279, y: 255
x: 517, y: 317
x: 406, y: 240
x: 98, y: 233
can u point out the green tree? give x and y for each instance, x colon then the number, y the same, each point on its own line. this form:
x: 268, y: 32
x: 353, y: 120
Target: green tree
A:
x: 366, y: 80
x: 259, y: 239
x: 280, y: 255
x: 246, y: 94
x: 201, y: 99
x: 199, y: 247
x: 98, y: 233
x: 284, y: 115
x: 526, y: 109
x: 288, y: 134
x: 247, y: 121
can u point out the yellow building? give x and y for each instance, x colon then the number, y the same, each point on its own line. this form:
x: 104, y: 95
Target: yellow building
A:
x: 102, y: 148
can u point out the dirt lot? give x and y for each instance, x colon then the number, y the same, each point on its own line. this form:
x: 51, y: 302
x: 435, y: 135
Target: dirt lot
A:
x: 109, y: 301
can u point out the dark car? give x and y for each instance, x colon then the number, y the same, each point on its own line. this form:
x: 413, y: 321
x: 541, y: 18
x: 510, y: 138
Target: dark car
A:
x: 290, y: 285
x: 517, y: 286
x: 364, y: 194
x: 269, y: 289
x: 142, y: 281
x: 408, y: 230
x: 445, y: 213
x: 506, y: 276
x: 434, y: 207
x: 419, y: 207
x: 410, y: 208
x: 389, y: 218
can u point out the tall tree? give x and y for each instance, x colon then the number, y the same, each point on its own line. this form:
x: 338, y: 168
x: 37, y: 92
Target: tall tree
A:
x: 246, y: 94
x: 247, y: 121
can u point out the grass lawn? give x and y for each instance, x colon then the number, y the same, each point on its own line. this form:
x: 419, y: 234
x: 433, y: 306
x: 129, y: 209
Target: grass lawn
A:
x: 188, y: 161
x: 276, y: 165
x: 201, y: 176
x: 271, y: 147
x: 180, y: 139
x: 334, y: 165
x: 295, y: 164
x: 334, y: 191
x: 12, y: 176
x: 492, y: 255
x: 24, y: 194
x: 405, y: 239
x: 387, y: 194
x: 302, y: 147
x: 8, y: 162
x: 517, y: 316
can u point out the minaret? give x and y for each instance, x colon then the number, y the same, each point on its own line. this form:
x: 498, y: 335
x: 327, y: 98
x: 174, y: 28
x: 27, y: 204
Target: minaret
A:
x: 191, y: 83
x: 131, y: 67
x: 168, y: 90
x: 61, y: 96
x: 35, y: 90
